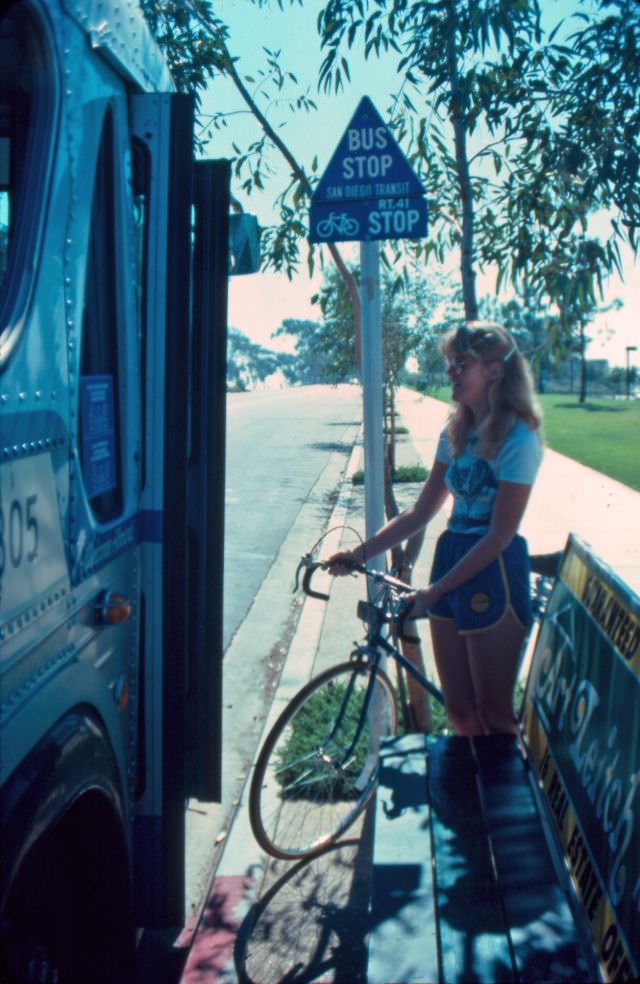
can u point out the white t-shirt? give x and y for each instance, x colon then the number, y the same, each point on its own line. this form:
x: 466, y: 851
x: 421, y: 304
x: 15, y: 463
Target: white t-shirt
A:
x: 473, y: 481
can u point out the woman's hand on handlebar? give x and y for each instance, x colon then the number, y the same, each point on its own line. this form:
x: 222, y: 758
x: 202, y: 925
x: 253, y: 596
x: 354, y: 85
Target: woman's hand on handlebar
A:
x: 342, y: 563
x: 417, y: 604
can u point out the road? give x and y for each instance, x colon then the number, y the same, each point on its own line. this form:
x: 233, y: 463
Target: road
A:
x: 278, y: 444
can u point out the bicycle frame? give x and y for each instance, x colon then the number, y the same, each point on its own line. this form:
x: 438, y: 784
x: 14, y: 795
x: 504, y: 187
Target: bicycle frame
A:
x: 363, y: 713
x: 381, y: 613
x: 374, y: 649
x: 377, y: 641
x: 411, y: 669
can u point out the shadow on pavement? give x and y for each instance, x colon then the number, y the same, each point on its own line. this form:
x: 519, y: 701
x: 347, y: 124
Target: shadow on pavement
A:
x: 330, y: 446
x: 311, y: 922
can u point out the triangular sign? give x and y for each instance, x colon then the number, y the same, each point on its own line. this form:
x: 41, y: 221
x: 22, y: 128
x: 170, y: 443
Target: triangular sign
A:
x: 367, y: 163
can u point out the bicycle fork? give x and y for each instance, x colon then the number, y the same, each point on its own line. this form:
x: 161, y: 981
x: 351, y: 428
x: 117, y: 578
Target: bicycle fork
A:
x: 340, y: 764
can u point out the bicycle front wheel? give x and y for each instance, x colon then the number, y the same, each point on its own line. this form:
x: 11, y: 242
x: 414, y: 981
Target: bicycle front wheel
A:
x: 319, y: 764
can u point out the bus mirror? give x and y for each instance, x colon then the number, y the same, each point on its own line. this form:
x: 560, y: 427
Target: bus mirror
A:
x: 244, y: 244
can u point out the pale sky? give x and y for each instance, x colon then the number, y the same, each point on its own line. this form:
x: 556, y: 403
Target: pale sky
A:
x: 259, y: 303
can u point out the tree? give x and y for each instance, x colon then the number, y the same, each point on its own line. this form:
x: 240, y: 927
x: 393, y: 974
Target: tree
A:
x: 572, y: 273
x: 324, y: 350
x: 444, y: 50
x: 600, y: 107
x: 535, y: 328
x: 321, y: 356
x: 624, y: 381
x: 400, y: 340
x: 481, y: 85
x: 442, y: 312
x: 249, y: 363
x: 579, y: 156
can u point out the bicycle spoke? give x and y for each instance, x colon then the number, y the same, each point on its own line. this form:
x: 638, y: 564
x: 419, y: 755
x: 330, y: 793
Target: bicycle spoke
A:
x: 306, y: 789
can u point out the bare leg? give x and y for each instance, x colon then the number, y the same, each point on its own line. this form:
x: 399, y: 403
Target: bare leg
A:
x: 494, y: 657
x: 450, y: 651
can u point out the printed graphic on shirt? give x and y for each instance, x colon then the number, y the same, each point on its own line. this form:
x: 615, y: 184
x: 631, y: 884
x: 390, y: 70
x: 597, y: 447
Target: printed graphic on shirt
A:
x: 473, y: 481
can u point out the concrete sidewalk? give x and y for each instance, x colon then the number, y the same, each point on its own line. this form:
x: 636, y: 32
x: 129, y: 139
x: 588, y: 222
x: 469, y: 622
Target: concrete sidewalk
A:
x: 267, y: 921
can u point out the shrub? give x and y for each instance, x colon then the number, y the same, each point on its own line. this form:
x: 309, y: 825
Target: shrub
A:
x: 310, y: 729
x: 404, y: 473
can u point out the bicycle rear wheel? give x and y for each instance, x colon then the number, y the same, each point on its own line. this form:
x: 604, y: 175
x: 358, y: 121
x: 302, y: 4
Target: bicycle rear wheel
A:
x: 309, y: 784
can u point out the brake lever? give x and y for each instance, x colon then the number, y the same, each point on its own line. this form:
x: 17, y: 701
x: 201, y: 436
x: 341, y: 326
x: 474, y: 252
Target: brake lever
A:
x: 305, y: 561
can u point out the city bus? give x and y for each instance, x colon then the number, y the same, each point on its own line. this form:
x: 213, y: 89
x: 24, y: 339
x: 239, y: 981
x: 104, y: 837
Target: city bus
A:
x: 114, y: 258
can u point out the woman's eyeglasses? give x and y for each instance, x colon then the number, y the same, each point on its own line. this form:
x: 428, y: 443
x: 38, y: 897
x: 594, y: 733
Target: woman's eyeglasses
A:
x: 457, y: 366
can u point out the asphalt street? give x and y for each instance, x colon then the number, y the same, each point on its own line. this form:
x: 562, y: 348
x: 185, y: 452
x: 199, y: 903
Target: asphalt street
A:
x: 278, y: 444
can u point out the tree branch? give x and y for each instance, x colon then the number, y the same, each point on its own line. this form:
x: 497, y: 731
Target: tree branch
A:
x: 298, y: 172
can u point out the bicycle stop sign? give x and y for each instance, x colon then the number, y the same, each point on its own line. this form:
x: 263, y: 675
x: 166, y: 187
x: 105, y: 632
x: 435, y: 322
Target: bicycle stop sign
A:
x: 369, y: 190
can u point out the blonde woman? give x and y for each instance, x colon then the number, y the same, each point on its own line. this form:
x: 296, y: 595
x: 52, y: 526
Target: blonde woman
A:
x: 487, y: 460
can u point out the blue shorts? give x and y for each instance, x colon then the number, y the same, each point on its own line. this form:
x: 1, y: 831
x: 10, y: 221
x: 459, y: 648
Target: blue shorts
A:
x: 485, y: 599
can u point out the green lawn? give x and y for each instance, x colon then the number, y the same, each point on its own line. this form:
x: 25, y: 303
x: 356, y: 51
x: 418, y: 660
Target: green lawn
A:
x: 603, y: 434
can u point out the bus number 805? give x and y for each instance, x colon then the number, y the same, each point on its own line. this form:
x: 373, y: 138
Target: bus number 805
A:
x: 18, y: 533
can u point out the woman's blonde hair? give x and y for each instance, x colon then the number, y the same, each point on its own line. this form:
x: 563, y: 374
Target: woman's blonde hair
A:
x: 512, y: 395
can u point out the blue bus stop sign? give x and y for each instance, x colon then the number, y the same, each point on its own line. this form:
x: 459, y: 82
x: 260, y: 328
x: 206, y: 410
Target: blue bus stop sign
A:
x: 369, y: 190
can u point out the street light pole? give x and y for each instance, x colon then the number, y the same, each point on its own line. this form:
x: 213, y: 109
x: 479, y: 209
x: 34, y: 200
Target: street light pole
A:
x: 630, y: 348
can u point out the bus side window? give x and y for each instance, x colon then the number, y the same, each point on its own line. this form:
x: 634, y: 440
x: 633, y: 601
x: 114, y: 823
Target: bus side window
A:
x: 100, y: 439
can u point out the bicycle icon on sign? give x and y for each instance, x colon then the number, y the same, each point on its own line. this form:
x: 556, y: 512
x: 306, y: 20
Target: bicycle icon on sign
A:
x: 338, y: 224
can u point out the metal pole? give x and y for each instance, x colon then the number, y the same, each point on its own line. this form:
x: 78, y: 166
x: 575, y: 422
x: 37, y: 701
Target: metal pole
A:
x: 372, y: 391
x: 373, y: 448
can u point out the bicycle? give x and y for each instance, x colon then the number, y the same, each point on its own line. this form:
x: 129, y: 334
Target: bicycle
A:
x: 307, y: 791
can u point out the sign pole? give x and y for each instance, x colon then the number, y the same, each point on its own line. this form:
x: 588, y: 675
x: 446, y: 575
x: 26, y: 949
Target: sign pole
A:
x: 372, y: 391
x: 373, y: 444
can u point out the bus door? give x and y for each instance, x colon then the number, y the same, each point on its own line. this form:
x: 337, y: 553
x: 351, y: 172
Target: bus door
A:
x: 182, y: 220
x: 104, y: 416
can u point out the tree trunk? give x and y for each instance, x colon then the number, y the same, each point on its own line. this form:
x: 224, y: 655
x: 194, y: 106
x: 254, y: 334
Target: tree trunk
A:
x: 541, y: 371
x: 459, y: 122
x: 391, y: 426
x: 583, y: 364
x: 403, y: 560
